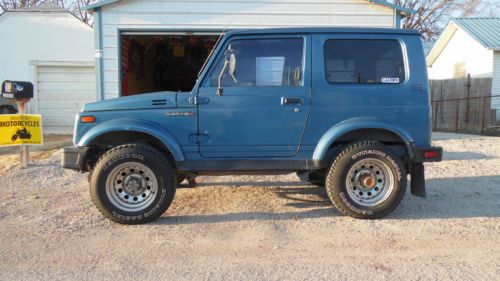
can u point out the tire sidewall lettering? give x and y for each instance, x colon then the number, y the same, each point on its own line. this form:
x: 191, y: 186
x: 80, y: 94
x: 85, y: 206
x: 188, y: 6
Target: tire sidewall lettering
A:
x: 120, y: 157
x: 374, y: 153
x: 352, y: 207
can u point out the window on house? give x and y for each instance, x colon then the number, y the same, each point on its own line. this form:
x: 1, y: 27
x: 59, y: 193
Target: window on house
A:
x: 364, y: 61
x: 262, y: 63
x: 459, y: 70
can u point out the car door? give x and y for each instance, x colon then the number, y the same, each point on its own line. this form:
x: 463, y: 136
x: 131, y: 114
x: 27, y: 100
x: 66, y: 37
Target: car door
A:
x: 264, y: 100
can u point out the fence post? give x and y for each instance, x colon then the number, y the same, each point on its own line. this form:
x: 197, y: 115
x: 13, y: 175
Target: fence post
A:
x: 456, y: 116
x: 435, y: 116
x: 467, y: 91
x: 484, y: 115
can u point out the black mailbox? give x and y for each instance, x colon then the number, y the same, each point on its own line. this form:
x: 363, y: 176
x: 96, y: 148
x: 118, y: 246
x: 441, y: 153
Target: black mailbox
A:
x: 17, y: 90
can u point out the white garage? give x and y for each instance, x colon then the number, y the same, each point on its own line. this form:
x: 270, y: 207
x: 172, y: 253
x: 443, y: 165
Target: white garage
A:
x: 160, y: 45
x: 55, y: 51
x: 62, y: 90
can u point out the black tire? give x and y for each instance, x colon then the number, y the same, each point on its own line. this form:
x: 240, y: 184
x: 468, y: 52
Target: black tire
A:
x: 317, y: 177
x: 14, y: 138
x: 351, y: 196
x: 148, y: 161
x: 7, y: 109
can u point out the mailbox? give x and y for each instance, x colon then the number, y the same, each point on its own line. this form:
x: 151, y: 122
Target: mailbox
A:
x: 17, y: 90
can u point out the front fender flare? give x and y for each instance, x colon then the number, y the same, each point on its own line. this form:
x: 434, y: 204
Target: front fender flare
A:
x: 134, y: 125
x: 353, y: 124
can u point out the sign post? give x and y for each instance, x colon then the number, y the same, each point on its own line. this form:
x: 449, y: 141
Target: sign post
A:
x: 20, y: 129
x: 25, y: 152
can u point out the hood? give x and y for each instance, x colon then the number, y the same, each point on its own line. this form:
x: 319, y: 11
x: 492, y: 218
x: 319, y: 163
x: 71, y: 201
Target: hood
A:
x: 144, y: 101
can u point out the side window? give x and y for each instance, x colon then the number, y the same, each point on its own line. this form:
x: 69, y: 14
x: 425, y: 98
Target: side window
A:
x: 364, y: 61
x: 261, y: 63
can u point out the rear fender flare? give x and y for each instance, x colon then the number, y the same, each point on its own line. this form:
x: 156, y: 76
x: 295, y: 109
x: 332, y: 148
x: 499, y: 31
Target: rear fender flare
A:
x: 353, y: 124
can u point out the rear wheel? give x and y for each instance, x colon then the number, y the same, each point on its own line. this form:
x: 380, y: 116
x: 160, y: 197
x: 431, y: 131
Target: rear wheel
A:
x: 367, y: 180
x: 133, y: 184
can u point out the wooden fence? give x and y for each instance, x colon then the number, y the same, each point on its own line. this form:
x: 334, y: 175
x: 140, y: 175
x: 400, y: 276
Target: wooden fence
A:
x: 463, y: 105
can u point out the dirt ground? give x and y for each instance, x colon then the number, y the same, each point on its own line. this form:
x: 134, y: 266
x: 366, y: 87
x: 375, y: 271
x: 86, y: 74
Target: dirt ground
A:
x: 253, y: 227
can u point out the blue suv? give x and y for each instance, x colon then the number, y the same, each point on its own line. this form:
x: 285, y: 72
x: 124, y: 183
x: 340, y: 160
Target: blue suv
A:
x: 347, y: 109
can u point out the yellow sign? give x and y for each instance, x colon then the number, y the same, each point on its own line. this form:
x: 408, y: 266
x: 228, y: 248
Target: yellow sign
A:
x: 17, y: 129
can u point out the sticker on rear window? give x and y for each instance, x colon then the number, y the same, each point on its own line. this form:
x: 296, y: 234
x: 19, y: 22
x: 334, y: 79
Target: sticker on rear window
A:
x: 390, y: 80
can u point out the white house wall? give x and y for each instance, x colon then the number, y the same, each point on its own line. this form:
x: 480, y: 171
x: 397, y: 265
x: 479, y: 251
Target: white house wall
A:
x: 226, y: 14
x: 41, y: 37
x: 495, y: 86
x: 462, y: 48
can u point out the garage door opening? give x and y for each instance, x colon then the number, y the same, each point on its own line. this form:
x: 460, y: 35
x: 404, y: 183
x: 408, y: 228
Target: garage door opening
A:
x: 166, y: 62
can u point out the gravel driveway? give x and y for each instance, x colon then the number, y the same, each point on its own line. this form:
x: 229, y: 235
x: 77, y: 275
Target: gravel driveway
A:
x: 252, y: 227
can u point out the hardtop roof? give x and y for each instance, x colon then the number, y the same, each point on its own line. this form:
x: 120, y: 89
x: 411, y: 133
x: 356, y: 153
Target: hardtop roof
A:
x: 317, y: 30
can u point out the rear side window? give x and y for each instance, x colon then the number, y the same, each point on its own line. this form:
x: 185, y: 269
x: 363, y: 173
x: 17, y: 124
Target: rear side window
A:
x: 364, y: 62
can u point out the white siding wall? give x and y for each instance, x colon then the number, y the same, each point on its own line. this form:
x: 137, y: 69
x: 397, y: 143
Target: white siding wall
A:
x: 462, y: 48
x: 221, y: 14
x: 40, y: 36
x: 29, y: 38
x: 495, y: 87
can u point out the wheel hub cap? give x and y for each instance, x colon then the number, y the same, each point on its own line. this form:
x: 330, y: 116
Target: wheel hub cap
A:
x: 369, y: 182
x: 131, y: 186
x: 134, y: 184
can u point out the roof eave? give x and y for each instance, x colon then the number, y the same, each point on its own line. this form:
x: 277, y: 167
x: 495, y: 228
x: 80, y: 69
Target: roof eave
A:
x: 403, y: 10
x: 98, y: 4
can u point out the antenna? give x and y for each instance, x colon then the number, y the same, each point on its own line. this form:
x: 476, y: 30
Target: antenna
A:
x: 217, y: 43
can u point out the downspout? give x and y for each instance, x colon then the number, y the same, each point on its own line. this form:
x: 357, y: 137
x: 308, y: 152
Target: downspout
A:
x: 98, y: 55
x: 397, y: 19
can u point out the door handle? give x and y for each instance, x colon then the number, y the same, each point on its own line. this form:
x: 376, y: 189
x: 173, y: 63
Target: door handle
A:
x: 294, y: 101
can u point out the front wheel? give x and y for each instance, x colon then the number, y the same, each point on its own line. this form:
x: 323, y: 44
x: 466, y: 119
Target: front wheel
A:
x: 367, y: 180
x: 133, y: 184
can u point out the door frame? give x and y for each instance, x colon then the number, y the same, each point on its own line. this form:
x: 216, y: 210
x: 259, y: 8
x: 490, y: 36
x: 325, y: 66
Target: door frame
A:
x: 307, y: 74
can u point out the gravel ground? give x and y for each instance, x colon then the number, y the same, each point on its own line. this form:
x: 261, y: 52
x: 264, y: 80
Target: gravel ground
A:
x: 256, y: 227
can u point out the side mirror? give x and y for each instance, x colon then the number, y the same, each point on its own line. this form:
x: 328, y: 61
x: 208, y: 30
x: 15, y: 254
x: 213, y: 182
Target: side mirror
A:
x: 221, y: 75
x: 230, y: 68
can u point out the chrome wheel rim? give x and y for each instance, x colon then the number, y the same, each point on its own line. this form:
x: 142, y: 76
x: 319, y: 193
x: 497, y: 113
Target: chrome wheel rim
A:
x: 131, y: 187
x: 369, y: 182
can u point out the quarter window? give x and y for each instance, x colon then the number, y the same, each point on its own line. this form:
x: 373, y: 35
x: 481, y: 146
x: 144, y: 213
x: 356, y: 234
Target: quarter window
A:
x: 261, y: 63
x: 364, y: 62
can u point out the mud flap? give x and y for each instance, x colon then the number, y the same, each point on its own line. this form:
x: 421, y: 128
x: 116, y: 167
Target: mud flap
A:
x: 418, y: 180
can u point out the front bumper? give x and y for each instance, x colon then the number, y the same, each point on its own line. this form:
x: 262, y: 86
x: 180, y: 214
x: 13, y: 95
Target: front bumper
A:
x: 74, y: 158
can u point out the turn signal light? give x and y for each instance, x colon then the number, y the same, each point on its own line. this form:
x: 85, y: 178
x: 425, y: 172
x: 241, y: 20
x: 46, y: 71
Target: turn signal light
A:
x: 88, y: 119
x: 431, y: 154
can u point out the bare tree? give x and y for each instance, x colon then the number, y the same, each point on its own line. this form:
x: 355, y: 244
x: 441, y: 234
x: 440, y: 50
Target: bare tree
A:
x: 73, y: 6
x: 7, y: 5
x: 483, y: 8
x: 432, y: 15
x: 429, y: 15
